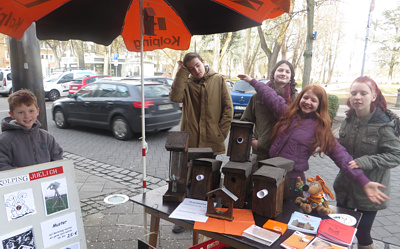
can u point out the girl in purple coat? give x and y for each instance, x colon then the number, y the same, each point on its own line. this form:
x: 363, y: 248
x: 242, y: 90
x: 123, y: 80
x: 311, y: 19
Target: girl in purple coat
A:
x: 304, y: 129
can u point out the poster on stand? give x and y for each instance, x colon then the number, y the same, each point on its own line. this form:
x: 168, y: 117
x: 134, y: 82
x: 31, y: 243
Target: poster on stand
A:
x: 40, y: 207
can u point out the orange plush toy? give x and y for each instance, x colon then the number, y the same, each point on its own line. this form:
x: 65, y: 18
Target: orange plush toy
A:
x: 316, y: 196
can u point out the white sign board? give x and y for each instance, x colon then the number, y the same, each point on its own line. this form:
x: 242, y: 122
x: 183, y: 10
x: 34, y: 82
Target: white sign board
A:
x: 40, y: 207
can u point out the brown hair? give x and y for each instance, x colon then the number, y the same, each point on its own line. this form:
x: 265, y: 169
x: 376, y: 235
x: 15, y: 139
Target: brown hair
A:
x: 324, y: 140
x: 190, y: 56
x: 23, y: 96
x: 290, y: 88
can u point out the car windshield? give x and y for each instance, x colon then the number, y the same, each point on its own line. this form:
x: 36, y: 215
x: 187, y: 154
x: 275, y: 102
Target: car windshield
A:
x: 53, y: 77
x: 243, y: 87
x: 153, y: 91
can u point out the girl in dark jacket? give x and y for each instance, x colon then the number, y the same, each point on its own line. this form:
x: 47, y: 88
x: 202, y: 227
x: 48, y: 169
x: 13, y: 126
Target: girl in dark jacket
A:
x: 370, y: 134
x: 304, y: 129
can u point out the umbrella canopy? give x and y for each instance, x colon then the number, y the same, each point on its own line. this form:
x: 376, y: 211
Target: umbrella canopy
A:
x: 145, y: 25
x: 167, y: 23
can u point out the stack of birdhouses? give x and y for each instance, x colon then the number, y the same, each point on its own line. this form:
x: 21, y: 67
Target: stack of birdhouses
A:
x: 237, y: 172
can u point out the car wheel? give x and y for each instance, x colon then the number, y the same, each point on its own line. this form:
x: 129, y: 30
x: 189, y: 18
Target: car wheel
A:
x: 59, y: 119
x: 120, y: 128
x: 54, y: 95
x: 10, y: 92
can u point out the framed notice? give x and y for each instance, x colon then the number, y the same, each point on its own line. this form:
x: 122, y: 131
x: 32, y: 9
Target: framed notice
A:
x: 40, y: 207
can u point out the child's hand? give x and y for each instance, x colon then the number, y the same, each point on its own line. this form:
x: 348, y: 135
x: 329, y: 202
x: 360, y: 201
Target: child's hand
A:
x: 254, y: 143
x: 244, y: 77
x: 353, y: 165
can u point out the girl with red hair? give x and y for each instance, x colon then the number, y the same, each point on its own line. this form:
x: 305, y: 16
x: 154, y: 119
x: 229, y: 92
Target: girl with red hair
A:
x: 304, y: 129
x: 370, y: 134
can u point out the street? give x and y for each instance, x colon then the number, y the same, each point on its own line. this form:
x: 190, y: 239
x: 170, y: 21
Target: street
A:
x: 100, y: 145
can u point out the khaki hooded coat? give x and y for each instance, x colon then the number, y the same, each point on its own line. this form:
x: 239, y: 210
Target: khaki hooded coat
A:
x: 207, y: 109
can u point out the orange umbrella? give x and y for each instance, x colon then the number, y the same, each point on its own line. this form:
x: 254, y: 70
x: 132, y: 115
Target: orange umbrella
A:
x: 167, y: 23
x: 160, y: 24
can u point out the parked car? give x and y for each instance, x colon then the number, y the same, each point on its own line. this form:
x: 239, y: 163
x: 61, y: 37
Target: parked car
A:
x: 116, y: 106
x: 76, y: 84
x: 5, y: 82
x: 166, y: 81
x: 241, y: 94
x: 57, y: 85
x: 230, y: 84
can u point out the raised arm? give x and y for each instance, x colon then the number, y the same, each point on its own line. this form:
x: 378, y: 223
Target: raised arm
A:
x: 177, y: 92
x: 271, y: 99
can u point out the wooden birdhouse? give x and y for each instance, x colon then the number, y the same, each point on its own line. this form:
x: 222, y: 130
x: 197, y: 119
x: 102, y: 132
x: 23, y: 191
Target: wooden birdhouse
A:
x: 282, y: 163
x: 177, y: 143
x: 226, y: 198
x: 240, y: 138
x: 194, y: 153
x: 205, y: 177
x: 237, y: 179
x: 268, y: 191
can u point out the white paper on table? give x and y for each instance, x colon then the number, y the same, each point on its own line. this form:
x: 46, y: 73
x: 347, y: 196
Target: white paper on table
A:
x: 191, y: 209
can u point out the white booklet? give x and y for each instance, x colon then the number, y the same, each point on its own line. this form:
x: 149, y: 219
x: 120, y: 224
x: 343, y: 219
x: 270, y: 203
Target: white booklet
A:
x: 261, y: 235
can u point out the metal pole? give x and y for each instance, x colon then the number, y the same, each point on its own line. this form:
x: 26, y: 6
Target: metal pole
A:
x: 398, y: 98
x: 109, y: 59
x: 144, y: 144
x: 26, y: 68
x: 366, y: 42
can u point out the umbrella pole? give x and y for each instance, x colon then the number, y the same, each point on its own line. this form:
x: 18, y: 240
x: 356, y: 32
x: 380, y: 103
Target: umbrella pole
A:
x: 144, y: 144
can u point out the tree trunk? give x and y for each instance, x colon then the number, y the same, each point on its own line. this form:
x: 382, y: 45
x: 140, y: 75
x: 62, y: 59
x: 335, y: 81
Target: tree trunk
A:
x: 217, y: 49
x: 309, y: 43
x: 246, y: 57
x: 106, y: 65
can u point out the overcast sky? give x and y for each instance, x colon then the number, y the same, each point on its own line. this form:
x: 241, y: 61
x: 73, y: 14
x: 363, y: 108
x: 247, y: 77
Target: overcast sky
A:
x: 356, y: 19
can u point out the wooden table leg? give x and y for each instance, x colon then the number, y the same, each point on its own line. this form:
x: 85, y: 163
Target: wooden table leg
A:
x: 195, y: 238
x: 154, y: 229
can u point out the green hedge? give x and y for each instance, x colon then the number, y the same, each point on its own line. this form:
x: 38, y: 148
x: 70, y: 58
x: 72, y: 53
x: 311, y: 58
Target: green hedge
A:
x: 333, y: 105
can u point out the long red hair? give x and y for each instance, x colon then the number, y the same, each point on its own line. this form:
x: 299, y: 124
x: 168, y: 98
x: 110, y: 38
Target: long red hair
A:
x: 324, y: 140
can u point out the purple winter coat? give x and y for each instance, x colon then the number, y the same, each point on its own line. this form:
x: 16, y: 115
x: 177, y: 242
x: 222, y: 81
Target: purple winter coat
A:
x: 296, y: 143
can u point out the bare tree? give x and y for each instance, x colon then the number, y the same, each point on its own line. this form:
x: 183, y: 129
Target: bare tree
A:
x: 389, y: 53
x: 79, y: 53
x: 58, y: 48
x: 272, y: 37
x: 309, y: 43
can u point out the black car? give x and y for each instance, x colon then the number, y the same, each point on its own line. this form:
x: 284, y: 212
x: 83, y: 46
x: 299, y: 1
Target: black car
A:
x: 116, y: 105
x: 166, y: 81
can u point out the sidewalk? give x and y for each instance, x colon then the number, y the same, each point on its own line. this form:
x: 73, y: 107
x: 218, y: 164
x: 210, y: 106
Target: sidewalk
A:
x: 119, y: 226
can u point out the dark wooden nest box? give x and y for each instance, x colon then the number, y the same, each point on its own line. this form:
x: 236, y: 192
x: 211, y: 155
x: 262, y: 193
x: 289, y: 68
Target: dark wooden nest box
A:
x: 268, y: 191
x: 205, y: 177
x: 282, y: 163
x: 237, y: 178
x: 240, y: 138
